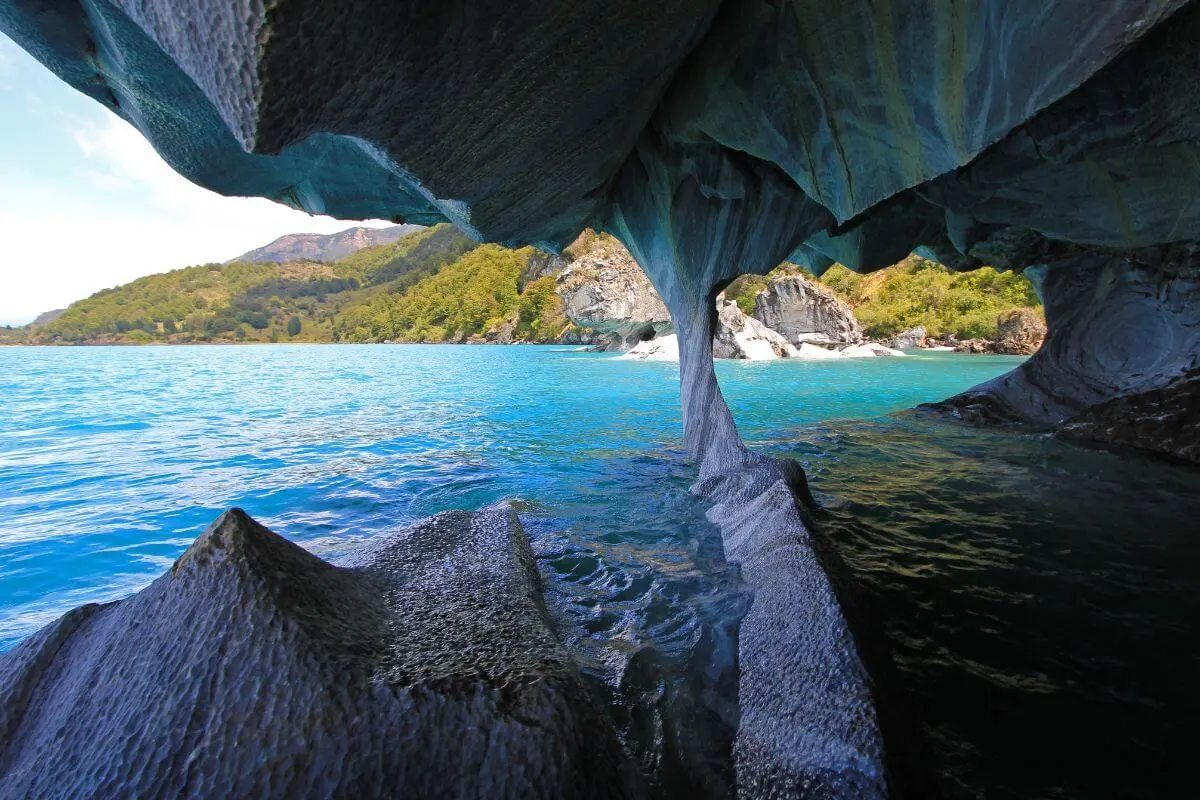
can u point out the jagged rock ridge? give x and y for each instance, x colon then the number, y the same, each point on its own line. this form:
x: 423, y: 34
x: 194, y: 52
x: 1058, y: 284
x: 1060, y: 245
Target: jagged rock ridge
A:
x: 423, y: 665
x: 325, y: 247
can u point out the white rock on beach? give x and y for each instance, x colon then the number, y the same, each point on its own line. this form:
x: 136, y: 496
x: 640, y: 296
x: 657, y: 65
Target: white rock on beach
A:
x: 740, y: 336
x: 664, y: 348
x: 814, y: 352
x: 870, y: 350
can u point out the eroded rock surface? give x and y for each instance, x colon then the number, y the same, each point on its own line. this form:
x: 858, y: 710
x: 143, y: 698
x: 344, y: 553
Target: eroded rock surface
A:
x: 739, y: 336
x: 909, y: 339
x: 803, y: 311
x: 1115, y: 329
x: 605, y: 290
x: 716, y: 139
x: 808, y: 725
x: 422, y: 666
x: 1164, y: 421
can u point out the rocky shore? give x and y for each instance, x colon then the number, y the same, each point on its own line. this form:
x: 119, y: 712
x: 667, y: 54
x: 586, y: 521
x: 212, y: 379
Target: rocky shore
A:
x: 613, y: 306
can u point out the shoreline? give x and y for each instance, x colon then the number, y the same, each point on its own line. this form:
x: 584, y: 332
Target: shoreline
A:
x: 17, y: 345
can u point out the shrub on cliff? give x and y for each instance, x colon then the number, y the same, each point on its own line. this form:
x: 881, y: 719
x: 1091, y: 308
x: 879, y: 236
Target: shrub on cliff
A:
x: 476, y: 294
x: 918, y: 291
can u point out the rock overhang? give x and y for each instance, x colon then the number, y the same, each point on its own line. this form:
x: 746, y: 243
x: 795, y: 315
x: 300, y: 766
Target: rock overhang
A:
x: 525, y: 123
x: 714, y: 139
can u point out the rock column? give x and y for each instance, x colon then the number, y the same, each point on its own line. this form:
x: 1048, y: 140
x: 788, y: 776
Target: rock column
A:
x: 808, y: 722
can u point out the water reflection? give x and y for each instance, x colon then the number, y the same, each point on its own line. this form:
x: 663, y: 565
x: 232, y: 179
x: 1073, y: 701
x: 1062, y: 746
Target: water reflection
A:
x: 1038, y: 599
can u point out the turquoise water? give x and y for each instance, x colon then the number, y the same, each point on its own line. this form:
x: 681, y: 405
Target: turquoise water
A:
x: 112, y: 460
x: 1030, y: 592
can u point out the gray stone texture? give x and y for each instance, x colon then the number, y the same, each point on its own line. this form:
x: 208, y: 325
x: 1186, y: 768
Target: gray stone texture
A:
x: 804, y: 311
x: 1115, y: 329
x: 604, y: 289
x: 422, y: 666
x: 713, y: 140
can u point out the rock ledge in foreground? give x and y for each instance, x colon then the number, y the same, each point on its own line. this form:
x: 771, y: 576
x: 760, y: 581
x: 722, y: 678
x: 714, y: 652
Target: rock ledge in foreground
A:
x: 424, y: 666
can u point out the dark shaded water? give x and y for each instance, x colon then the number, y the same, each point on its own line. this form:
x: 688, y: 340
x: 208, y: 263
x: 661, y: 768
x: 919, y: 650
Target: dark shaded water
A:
x: 1041, y: 601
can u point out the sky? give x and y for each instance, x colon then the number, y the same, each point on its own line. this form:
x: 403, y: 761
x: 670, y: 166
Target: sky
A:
x: 86, y: 203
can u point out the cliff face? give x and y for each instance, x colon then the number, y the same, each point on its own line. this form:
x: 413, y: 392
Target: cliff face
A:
x: 716, y: 139
x: 605, y: 290
x: 803, y: 311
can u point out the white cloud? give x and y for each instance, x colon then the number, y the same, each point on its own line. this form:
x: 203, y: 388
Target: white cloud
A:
x: 104, y: 180
x: 128, y: 214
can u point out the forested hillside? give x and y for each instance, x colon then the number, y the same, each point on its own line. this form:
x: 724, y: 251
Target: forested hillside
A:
x: 914, y: 292
x: 262, y: 301
x: 438, y: 285
x: 479, y: 296
x: 918, y: 291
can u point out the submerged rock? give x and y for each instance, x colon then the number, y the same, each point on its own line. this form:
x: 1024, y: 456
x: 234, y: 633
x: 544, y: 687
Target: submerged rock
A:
x: 1165, y: 420
x: 422, y: 666
x: 804, y: 311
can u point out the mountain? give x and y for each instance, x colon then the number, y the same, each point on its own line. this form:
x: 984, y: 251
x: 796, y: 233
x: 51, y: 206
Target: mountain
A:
x: 325, y: 247
x: 47, y: 317
x: 252, y: 301
x: 434, y: 284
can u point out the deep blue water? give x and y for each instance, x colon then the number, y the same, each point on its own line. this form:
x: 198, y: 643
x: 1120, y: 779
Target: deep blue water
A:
x: 1038, y: 599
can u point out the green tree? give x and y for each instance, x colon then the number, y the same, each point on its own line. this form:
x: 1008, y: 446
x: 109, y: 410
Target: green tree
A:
x: 918, y: 291
x: 293, y: 326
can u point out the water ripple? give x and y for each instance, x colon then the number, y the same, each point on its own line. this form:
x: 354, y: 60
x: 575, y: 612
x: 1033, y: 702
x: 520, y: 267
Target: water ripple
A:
x: 112, y: 460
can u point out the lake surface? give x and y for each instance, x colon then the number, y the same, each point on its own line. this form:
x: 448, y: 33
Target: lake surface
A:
x: 1038, y: 600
